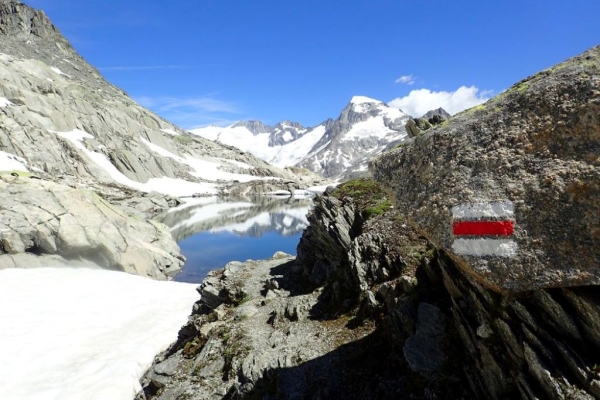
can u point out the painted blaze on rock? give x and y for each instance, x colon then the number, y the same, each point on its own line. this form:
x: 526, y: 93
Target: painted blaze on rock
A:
x: 484, y: 229
x: 537, y: 144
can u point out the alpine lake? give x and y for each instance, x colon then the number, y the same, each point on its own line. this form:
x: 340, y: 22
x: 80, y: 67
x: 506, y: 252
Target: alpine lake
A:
x: 212, y: 231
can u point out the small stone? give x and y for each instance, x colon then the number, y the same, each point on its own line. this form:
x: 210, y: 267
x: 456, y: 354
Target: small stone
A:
x: 484, y: 331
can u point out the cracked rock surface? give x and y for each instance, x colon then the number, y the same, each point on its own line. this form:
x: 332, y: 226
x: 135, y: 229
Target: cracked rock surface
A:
x: 536, y: 145
x: 43, y: 223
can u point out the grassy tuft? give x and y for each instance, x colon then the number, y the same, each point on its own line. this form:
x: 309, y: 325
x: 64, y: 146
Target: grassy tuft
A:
x: 369, y: 198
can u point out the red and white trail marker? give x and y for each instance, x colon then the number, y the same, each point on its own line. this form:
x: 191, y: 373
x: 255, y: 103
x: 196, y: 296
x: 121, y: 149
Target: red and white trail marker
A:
x: 484, y: 229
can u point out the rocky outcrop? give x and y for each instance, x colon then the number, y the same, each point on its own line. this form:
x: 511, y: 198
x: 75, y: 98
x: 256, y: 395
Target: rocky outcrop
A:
x: 510, y: 189
x: 255, y: 334
x: 43, y: 223
x: 416, y: 126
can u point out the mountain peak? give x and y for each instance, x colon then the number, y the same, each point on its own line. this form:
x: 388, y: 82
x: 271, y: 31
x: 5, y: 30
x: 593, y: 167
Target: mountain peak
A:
x: 253, y: 126
x: 438, y: 111
x: 18, y: 19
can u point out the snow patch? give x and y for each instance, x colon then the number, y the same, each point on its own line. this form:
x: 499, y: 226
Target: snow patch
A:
x: 372, y: 127
x: 59, y: 72
x: 203, y: 169
x: 78, y: 333
x: 11, y: 162
x: 287, y: 136
x: 170, y: 132
x: 363, y: 99
x: 4, y: 102
x: 173, y: 187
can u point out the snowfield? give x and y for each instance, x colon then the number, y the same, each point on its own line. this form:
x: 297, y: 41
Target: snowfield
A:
x: 78, y: 333
x: 286, y: 155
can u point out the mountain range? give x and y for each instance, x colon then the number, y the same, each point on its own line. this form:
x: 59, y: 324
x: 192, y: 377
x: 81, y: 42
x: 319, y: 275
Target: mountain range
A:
x: 337, y: 149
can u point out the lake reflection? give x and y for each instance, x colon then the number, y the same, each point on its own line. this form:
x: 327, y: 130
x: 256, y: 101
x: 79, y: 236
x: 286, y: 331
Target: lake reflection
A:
x: 213, y: 231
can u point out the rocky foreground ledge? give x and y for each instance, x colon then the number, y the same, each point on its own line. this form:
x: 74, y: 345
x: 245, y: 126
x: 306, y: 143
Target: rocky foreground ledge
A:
x: 371, y: 310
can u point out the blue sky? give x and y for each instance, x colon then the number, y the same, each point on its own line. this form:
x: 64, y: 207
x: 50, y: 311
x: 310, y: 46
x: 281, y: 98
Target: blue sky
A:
x: 197, y: 62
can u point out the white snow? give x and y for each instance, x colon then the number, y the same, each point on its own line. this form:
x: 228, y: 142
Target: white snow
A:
x: 10, y: 162
x: 174, y: 187
x: 258, y: 145
x: 372, y: 127
x: 78, y: 333
x: 287, y: 136
x: 170, y: 132
x: 58, y: 71
x: 4, y: 102
x: 203, y: 169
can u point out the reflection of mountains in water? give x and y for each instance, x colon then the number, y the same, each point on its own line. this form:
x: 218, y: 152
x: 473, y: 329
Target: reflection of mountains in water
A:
x: 242, y: 216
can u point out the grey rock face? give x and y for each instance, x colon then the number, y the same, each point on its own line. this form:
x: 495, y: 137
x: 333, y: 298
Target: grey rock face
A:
x: 255, y: 127
x: 529, y: 158
x: 285, y: 132
x: 43, y: 223
x: 51, y: 89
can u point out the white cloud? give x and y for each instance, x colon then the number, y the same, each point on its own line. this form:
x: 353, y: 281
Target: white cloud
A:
x: 419, y: 101
x: 191, y: 112
x: 408, y: 79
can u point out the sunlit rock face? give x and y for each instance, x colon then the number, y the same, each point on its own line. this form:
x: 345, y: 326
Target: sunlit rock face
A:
x: 63, y: 118
x: 511, y: 188
x: 47, y: 224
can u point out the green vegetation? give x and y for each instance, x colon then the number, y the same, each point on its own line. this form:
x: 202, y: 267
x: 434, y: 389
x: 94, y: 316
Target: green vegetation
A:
x: 476, y: 108
x: 366, y: 194
x: 378, y: 208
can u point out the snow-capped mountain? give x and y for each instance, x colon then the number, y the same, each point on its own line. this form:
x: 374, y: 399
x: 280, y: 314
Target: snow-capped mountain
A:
x: 335, y: 149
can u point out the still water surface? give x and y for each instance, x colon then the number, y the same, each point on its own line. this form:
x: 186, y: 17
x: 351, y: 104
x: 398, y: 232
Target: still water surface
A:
x: 213, y: 231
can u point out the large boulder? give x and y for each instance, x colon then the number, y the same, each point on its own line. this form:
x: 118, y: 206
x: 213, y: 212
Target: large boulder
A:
x: 511, y: 188
x: 43, y: 223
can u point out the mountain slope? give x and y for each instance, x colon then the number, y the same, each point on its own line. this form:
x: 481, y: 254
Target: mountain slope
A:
x: 62, y: 118
x: 334, y: 149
